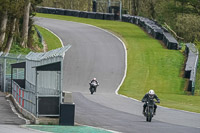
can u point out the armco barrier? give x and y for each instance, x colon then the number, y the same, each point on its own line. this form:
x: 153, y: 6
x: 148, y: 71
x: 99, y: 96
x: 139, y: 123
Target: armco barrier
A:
x: 191, y: 65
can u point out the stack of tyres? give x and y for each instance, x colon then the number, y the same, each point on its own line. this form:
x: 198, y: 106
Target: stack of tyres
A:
x: 99, y: 15
x: 92, y: 15
x: 60, y: 11
x: 125, y: 17
x: 68, y: 12
x: 158, y: 34
x: 169, y: 41
x: 52, y: 10
x: 133, y: 20
x: 108, y: 16
x: 83, y: 14
x: 44, y: 10
x: 75, y: 13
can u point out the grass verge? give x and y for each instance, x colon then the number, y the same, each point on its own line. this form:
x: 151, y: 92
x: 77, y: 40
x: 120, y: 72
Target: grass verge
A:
x: 150, y: 66
x: 50, y: 39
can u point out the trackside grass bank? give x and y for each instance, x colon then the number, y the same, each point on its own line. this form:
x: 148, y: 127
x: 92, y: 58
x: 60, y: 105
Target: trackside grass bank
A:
x: 50, y: 39
x: 149, y: 65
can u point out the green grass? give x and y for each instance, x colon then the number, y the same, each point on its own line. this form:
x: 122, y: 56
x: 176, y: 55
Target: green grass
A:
x: 17, y: 49
x: 51, y: 40
x: 150, y: 66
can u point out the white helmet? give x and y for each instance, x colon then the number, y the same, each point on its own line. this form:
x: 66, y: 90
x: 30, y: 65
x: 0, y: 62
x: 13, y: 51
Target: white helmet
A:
x: 151, y: 92
x: 94, y: 79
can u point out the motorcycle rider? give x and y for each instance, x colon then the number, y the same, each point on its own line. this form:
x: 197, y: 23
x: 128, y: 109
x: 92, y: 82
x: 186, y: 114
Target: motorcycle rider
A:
x: 94, y: 80
x: 150, y: 95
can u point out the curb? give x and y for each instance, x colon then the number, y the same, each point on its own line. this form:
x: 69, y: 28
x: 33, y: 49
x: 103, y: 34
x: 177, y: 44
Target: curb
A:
x: 30, y: 116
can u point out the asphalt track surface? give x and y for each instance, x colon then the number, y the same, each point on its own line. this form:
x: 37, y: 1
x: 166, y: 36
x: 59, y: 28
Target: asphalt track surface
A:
x: 97, y: 53
x: 9, y: 121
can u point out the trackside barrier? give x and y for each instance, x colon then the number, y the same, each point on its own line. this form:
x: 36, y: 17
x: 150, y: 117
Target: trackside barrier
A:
x: 191, y: 65
x: 75, y: 13
x: 154, y: 29
x: 25, y: 98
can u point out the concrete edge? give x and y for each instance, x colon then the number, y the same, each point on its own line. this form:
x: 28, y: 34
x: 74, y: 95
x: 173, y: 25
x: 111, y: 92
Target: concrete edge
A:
x: 28, y: 115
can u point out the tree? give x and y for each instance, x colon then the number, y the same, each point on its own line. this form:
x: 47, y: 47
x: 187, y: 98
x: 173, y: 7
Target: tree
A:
x: 10, y: 36
x: 188, y: 27
x: 14, y: 22
x: 135, y: 6
x: 188, y: 6
x: 14, y: 13
x: 4, y: 20
x: 25, y: 23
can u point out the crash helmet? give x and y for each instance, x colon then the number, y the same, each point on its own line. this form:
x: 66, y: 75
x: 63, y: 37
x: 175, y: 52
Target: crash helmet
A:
x: 151, y: 93
x: 94, y: 79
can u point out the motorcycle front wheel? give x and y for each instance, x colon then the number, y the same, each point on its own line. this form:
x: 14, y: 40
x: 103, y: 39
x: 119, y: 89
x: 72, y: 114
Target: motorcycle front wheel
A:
x: 92, y: 90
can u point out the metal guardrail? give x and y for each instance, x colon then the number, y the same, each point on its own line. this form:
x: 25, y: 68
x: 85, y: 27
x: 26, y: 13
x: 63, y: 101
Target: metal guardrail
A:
x: 29, y: 100
x: 40, y: 36
x: 26, y: 98
x: 191, y: 65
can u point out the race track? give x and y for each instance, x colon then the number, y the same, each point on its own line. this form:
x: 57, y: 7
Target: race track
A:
x: 97, y: 53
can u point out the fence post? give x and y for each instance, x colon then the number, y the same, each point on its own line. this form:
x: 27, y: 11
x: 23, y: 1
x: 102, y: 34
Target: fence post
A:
x: 4, y: 75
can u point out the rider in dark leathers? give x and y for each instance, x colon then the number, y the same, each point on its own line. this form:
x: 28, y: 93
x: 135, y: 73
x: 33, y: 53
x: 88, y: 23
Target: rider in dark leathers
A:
x: 94, y: 80
x: 151, y: 94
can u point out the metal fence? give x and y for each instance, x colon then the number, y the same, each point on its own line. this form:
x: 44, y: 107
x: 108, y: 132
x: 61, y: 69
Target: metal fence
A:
x: 31, y: 100
x: 5, y: 69
x: 26, y: 98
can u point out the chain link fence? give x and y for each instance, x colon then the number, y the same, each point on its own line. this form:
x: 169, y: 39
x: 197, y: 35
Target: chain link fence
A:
x: 5, y: 70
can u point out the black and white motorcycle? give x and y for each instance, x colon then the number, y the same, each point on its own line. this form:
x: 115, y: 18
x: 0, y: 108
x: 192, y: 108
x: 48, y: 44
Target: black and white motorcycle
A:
x: 149, y: 112
x: 93, y: 87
